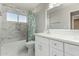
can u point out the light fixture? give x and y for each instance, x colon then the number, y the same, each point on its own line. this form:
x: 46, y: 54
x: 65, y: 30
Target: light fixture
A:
x: 52, y: 5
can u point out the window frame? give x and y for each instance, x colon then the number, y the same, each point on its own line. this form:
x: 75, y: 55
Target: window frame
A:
x: 17, y: 17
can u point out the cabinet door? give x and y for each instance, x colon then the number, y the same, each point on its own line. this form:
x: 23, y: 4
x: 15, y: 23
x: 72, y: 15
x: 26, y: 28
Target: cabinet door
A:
x: 56, y: 48
x: 37, y: 50
x: 55, y: 52
x: 71, y: 49
x: 41, y: 47
x: 41, y: 50
x: 56, y: 44
x: 67, y: 54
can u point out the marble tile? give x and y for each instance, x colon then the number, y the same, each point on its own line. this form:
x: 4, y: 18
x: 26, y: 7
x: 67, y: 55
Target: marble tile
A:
x: 16, y: 48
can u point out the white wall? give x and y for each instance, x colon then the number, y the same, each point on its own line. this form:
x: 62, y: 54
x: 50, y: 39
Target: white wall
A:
x: 40, y: 21
x: 41, y: 18
x: 62, y: 14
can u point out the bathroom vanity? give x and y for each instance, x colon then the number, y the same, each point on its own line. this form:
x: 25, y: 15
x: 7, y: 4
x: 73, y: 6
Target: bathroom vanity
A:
x: 57, y: 44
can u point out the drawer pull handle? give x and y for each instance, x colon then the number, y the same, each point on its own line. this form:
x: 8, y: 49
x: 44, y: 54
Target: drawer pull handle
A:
x: 55, y: 55
x: 40, y: 47
x: 55, y: 44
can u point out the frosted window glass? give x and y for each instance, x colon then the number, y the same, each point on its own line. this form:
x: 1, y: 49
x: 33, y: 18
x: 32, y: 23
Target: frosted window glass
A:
x: 11, y: 17
x: 22, y: 18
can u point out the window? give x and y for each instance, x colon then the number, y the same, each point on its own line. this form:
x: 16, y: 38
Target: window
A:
x: 11, y: 17
x: 16, y: 17
x: 22, y: 18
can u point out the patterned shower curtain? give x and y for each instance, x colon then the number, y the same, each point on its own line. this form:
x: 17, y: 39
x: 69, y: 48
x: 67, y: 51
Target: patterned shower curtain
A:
x: 31, y: 26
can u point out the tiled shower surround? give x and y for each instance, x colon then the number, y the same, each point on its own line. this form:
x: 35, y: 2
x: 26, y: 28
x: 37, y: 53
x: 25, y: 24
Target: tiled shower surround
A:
x: 13, y: 35
x: 13, y: 31
x: 12, y: 38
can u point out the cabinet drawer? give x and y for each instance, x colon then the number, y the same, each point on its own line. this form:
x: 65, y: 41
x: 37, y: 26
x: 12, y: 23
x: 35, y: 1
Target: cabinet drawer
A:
x: 55, y: 52
x: 71, y: 49
x: 56, y: 44
x: 40, y: 39
x: 37, y: 51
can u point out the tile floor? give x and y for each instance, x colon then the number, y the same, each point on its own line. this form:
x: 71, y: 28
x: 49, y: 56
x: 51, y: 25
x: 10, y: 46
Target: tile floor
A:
x: 16, y: 48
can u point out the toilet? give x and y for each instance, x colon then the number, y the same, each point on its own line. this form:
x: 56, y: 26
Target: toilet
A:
x: 30, y: 46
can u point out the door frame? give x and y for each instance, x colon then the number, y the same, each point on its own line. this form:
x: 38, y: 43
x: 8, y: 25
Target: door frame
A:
x: 71, y: 19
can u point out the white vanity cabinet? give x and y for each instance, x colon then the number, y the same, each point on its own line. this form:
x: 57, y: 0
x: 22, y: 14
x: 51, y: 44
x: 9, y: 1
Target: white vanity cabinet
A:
x: 41, y: 46
x: 56, y: 48
x: 46, y: 47
x: 71, y: 50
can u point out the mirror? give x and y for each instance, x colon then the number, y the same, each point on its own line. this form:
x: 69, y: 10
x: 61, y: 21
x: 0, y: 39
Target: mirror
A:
x: 64, y: 16
x: 53, y: 18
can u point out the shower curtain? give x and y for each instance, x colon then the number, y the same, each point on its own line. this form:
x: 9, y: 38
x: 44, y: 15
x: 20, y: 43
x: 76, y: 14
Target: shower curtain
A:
x: 31, y: 26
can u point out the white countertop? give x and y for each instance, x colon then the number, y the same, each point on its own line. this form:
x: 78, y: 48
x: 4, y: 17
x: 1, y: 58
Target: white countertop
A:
x: 68, y: 37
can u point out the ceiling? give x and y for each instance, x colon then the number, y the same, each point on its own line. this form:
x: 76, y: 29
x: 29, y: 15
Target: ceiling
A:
x: 26, y: 6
